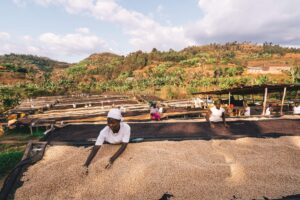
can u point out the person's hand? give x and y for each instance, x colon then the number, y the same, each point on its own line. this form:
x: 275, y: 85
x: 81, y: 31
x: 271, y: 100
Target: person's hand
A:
x: 110, y: 162
x: 212, y: 126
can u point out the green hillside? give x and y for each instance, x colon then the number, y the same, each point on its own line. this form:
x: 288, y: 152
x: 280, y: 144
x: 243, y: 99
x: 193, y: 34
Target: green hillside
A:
x: 17, y: 62
x: 168, y: 74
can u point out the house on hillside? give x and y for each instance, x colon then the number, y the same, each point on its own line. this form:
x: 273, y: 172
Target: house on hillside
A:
x: 268, y: 69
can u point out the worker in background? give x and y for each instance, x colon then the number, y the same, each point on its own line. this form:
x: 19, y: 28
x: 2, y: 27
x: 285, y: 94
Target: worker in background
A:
x: 154, y: 112
x: 246, y: 109
x: 198, y: 103
x: 269, y: 110
x: 216, y: 114
x: 116, y: 132
x: 209, y: 100
x: 296, y: 109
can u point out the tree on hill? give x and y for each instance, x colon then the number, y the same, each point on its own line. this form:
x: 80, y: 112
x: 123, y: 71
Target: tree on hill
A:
x: 277, y: 49
x: 26, y: 61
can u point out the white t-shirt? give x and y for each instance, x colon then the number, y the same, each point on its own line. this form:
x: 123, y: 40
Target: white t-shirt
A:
x: 268, y: 111
x: 216, y: 114
x: 247, y: 111
x: 107, y: 135
x: 296, y: 110
x: 161, y: 110
x: 153, y: 110
x: 198, y: 102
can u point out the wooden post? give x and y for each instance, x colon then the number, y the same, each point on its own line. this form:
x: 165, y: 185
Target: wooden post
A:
x: 31, y: 132
x: 282, y: 102
x: 265, y: 101
x: 229, y: 99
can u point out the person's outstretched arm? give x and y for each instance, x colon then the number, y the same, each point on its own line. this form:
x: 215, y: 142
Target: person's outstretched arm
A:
x: 207, y: 116
x: 224, y: 121
x: 116, y: 155
x: 92, y: 155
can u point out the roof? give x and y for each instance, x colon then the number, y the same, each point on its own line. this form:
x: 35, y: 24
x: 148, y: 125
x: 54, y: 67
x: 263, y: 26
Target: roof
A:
x: 256, y: 89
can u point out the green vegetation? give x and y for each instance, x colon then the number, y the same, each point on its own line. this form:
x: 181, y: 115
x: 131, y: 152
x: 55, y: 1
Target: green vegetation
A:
x: 228, y: 71
x: 271, y: 48
x: 295, y: 74
x: 10, y: 155
x: 13, y: 144
x: 8, y: 160
x: 262, y: 80
x: 13, y: 68
x: 191, y: 61
x: 213, y: 66
x: 9, y: 97
x: 29, y: 62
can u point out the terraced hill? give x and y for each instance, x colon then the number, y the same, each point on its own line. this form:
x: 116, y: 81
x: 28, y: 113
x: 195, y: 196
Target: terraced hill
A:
x: 168, y: 74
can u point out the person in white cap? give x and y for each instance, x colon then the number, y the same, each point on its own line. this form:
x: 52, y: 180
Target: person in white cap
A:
x: 116, y: 132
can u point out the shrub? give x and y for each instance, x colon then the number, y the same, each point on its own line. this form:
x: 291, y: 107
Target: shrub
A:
x: 9, y: 96
x: 211, y: 60
x: 190, y: 62
x: 262, y: 79
x: 294, y: 72
x: 233, y: 71
x: 76, y: 70
x: 8, y: 160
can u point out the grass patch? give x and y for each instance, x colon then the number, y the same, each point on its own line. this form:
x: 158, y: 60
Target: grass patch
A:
x: 8, y: 160
x: 12, y: 147
x: 22, y: 134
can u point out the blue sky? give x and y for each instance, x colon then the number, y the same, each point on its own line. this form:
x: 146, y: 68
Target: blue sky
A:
x: 70, y: 30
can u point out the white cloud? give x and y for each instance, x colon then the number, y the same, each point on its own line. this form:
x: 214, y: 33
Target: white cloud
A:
x: 27, y: 38
x: 83, y: 30
x: 69, y: 47
x: 33, y: 50
x: 71, y: 6
x: 70, y: 44
x: 251, y: 20
x: 4, y: 36
x: 222, y: 21
x: 144, y: 32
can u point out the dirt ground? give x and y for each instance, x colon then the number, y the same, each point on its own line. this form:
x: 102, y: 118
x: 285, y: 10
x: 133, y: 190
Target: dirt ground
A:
x: 246, y: 168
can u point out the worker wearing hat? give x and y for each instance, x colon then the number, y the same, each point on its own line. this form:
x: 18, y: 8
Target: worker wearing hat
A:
x: 116, y: 132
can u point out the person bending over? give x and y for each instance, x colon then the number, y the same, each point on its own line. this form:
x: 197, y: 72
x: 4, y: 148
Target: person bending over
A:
x: 116, y: 132
x: 216, y: 114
